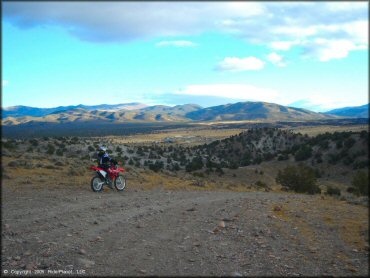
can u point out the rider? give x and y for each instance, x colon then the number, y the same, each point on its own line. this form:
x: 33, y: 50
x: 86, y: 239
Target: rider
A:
x: 104, y: 160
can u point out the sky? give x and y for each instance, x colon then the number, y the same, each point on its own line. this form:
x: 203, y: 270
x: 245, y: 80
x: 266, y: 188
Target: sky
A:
x: 312, y: 55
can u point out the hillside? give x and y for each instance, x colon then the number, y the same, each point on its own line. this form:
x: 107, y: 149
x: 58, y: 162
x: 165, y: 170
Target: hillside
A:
x: 354, y: 111
x: 23, y: 111
x: 253, y: 111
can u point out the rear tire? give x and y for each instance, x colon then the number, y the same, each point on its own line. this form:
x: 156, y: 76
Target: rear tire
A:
x: 97, y: 184
x: 120, y: 183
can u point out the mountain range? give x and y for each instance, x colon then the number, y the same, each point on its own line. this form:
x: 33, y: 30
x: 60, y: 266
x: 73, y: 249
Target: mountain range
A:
x: 353, y: 111
x: 138, y: 112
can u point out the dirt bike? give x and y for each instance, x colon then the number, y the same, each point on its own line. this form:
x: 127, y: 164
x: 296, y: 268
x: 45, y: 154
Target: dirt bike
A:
x: 109, y: 178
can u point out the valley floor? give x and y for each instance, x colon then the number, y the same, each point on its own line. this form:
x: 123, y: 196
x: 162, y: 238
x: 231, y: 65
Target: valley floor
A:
x: 163, y: 232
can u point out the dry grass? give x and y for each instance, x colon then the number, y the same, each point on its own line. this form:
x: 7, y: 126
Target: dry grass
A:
x: 180, y: 135
x: 315, y: 130
x: 350, y: 221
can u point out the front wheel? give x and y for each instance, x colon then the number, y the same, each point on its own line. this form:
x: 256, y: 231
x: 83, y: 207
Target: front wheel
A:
x: 120, y: 183
x: 97, y: 184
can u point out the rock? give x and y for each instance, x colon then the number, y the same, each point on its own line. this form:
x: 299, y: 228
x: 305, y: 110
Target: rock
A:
x: 85, y: 262
x: 221, y: 224
x: 17, y: 258
x: 82, y: 251
x: 277, y: 208
x: 7, y: 226
x: 30, y: 266
x: 13, y: 263
x: 191, y: 209
x: 237, y: 274
x: 191, y: 260
x: 227, y: 219
x: 96, y: 222
x: 47, y: 253
x: 143, y: 271
x: 196, y: 244
x: 27, y: 253
x: 69, y: 235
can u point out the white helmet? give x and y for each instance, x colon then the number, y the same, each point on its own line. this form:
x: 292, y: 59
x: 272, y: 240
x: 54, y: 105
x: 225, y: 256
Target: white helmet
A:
x: 102, y: 148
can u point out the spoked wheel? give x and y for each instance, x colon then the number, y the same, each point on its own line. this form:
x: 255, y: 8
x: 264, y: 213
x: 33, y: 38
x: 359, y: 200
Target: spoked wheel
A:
x: 120, y: 183
x: 97, y: 184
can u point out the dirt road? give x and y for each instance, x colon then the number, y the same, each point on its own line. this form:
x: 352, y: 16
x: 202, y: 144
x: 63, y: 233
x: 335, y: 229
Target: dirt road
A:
x: 158, y: 232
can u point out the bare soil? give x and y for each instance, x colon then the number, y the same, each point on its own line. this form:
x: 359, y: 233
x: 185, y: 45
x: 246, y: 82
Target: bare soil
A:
x: 163, y: 232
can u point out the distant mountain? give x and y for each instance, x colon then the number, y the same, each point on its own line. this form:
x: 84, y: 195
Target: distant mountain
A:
x: 157, y: 113
x: 22, y: 111
x: 123, y: 113
x: 253, y: 111
x: 354, y: 111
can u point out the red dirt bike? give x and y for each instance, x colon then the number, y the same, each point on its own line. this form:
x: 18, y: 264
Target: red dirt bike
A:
x: 109, y: 178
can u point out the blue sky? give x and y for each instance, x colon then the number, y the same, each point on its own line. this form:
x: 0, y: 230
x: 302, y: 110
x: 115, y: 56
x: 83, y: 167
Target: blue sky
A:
x: 311, y: 55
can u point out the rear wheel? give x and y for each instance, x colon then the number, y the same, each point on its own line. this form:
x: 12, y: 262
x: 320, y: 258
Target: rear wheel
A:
x: 120, y: 183
x: 97, y: 184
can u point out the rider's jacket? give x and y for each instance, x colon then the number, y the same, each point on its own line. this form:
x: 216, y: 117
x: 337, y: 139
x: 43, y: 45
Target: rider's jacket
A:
x: 104, y: 160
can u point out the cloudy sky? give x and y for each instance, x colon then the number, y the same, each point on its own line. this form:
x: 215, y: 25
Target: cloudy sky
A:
x: 304, y: 54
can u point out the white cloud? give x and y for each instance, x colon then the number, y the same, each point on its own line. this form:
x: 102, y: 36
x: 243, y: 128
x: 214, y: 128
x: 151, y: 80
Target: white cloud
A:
x: 320, y: 102
x: 5, y: 83
x: 276, y: 59
x: 283, y: 45
x: 346, y: 6
x: 281, y: 26
x: 176, y: 43
x: 326, y: 50
x: 240, y: 64
x: 236, y: 91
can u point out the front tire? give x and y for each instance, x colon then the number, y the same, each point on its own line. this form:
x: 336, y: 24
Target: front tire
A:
x: 120, y: 183
x: 97, y: 184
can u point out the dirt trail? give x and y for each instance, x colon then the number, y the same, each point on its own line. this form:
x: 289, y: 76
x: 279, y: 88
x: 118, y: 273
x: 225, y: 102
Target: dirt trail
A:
x: 161, y: 232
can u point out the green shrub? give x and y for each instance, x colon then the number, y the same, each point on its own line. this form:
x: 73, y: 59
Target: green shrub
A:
x: 361, y: 164
x: 158, y: 165
x: 348, y: 143
x: 34, y: 142
x: 360, y: 183
x: 219, y: 170
x: 332, y: 191
x: 233, y: 165
x: 175, y: 167
x: 283, y: 157
x: 10, y: 145
x: 195, y: 164
x: 351, y: 189
x: 200, y: 175
x: 303, y: 153
x: 51, y: 149
x: 59, y: 152
x: 300, y: 179
x: 260, y: 183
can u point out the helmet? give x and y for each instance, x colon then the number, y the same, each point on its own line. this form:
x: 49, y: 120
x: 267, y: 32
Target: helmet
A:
x: 102, y: 149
